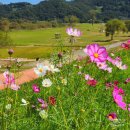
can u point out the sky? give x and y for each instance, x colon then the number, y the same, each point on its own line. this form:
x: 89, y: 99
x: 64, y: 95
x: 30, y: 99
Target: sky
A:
x: 14, y: 1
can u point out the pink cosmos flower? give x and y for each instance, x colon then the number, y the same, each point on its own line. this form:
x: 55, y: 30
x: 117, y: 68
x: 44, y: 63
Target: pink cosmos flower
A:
x: 128, y: 42
x: 88, y: 77
x: 127, y: 80
x: 96, y: 53
x: 43, y: 104
x: 124, y: 45
x: 35, y: 88
x: 112, y: 116
x: 15, y: 87
x: 117, y: 62
x: 104, y: 66
x: 10, y: 81
x: 73, y: 32
x: 9, y: 78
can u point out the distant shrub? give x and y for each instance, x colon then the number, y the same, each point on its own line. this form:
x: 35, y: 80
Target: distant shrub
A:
x: 5, y: 40
x: 44, y: 24
x: 15, y: 25
x: 28, y: 26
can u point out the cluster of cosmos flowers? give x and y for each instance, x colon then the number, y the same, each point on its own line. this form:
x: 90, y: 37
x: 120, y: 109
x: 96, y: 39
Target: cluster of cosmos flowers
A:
x: 97, y: 55
x: 100, y: 57
x: 126, y: 45
x: 10, y: 81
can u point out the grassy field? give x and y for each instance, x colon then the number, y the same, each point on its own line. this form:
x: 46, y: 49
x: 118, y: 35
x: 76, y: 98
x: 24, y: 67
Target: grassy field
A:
x: 27, y: 52
x: 47, y: 36
x: 78, y: 105
x: 40, y: 42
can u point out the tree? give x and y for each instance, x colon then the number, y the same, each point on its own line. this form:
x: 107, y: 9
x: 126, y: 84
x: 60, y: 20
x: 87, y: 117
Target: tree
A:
x: 93, y: 14
x: 113, y: 26
x: 71, y: 19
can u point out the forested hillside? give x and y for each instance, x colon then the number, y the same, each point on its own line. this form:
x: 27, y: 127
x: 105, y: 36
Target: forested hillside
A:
x: 85, y: 10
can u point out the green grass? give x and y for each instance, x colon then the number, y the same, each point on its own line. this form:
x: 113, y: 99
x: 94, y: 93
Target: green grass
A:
x: 47, y: 36
x: 78, y: 106
x: 27, y: 52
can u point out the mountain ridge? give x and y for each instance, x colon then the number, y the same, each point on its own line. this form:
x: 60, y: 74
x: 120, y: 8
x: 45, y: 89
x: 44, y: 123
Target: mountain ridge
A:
x: 57, y: 9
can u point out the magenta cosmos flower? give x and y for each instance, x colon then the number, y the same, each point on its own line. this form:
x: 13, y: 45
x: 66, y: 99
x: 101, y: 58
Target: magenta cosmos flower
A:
x: 124, y: 45
x: 127, y: 80
x: 92, y: 83
x: 35, y: 88
x: 118, y: 97
x: 96, y: 53
x: 128, y: 42
x: 112, y: 116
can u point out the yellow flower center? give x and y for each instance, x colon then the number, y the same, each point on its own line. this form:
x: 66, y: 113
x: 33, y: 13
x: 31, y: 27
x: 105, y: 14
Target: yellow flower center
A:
x: 40, y: 70
x: 96, y: 55
x: 110, y: 117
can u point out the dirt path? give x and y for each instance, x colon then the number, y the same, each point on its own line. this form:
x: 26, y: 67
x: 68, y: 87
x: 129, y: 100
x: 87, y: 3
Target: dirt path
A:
x: 29, y: 75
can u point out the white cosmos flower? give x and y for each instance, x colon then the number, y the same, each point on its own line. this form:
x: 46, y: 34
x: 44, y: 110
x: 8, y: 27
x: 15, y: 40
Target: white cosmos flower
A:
x: 53, y: 69
x: 40, y: 70
x: 43, y: 114
x: 120, y: 66
x: 109, y: 69
x: 8, y: 106
x: 64, y: 81
x: 46, y: 83
x: 24, y: 102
